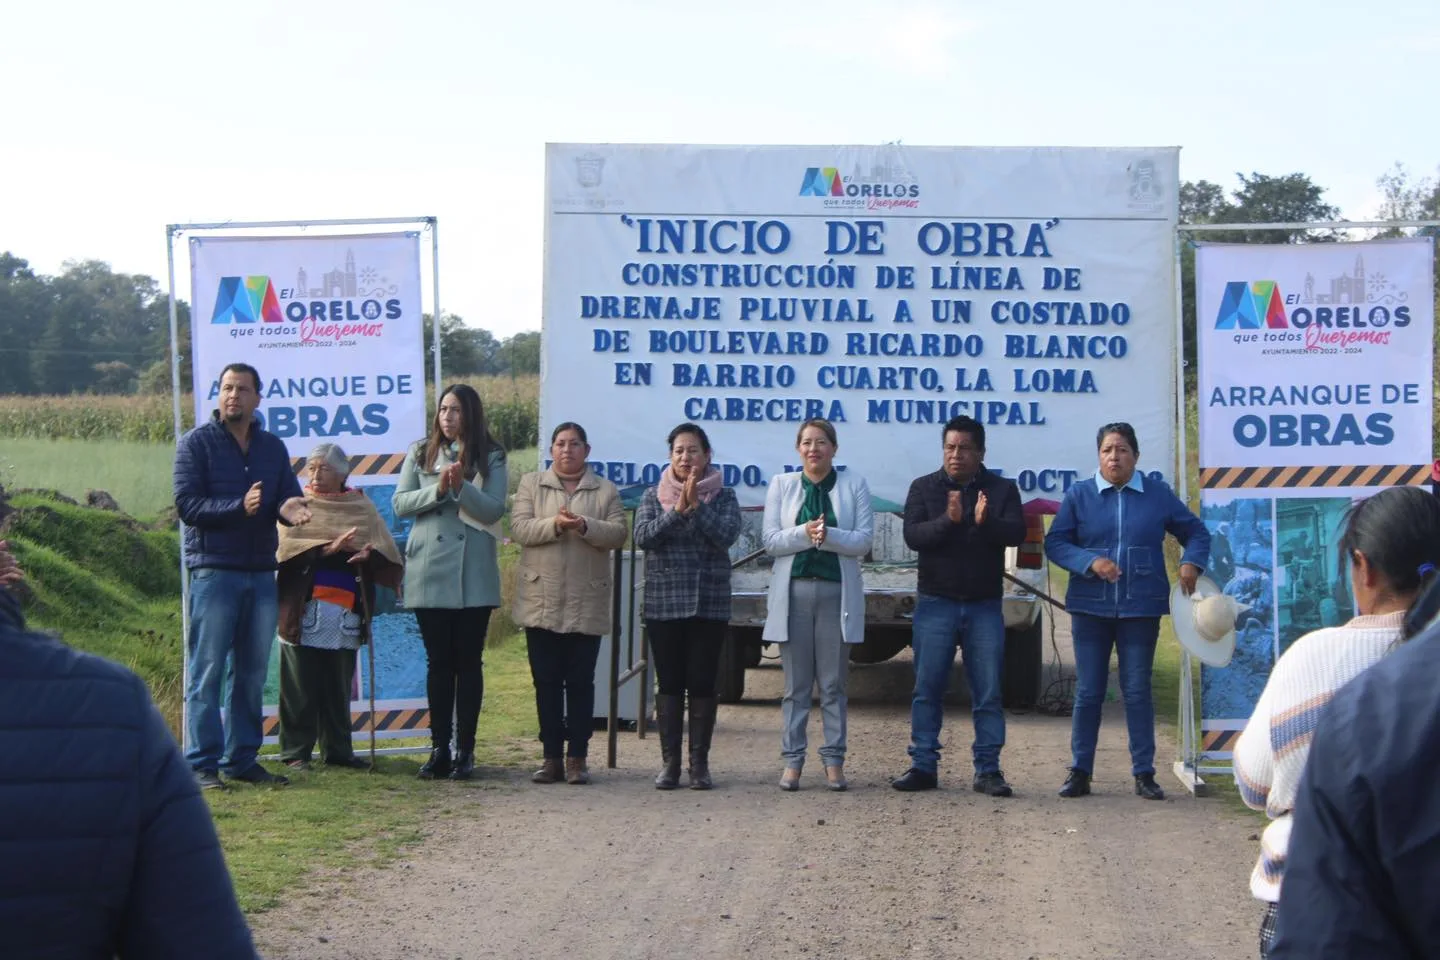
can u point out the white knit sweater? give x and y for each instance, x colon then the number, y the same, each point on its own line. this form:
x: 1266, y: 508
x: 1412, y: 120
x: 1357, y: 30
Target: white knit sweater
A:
x: 1270, y: 755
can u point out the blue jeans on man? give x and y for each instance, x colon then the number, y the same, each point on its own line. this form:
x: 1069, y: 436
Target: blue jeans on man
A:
x: 233, y: 616
x: 979, y: 628
x: 1133, y: 639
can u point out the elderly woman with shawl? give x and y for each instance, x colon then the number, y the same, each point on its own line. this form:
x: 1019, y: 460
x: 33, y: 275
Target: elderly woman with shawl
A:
x: 326, y: 588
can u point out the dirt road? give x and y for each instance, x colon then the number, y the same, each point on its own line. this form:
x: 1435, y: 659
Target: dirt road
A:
x: 621, y: 870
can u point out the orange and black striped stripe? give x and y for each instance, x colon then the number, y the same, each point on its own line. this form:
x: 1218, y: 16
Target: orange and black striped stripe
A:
x: 1260, y: 478
x: 366, y: 465
x: 417, y: 719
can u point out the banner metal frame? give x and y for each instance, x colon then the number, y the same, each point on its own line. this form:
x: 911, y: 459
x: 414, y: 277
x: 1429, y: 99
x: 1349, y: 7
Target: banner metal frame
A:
x: 175, y: 230
x: 1189, y: 769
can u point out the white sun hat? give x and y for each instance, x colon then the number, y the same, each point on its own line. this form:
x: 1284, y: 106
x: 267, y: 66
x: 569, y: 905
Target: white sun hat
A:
x: 1205, y: 621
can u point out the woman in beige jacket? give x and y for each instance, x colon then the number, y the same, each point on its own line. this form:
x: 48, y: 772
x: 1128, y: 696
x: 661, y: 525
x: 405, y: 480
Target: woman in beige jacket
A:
x: 567, y: 520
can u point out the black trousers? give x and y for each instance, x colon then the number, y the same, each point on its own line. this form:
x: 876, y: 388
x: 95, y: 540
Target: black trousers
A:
x: 315, y: 703
x: 455, y: 671
x: 563, y: 668
x: 687, y: 654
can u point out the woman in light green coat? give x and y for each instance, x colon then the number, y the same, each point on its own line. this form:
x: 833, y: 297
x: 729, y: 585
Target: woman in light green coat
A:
x: 453, y: 485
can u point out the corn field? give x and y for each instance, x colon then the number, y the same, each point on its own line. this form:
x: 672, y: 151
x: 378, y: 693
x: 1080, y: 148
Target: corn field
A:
x: 512, y: 405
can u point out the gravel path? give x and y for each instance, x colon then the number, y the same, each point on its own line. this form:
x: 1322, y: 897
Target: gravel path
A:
x: 621, y: 870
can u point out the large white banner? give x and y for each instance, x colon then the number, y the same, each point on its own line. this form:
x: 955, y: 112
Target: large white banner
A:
x: 1315, y: 390
x: 333, y: 325
x: 886, y: 288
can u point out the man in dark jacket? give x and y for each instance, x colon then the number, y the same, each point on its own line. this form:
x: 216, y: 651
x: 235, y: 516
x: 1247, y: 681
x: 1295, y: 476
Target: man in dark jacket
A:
x: 233, y: 481
x: 1363, y: 864
x: 106, y: 847
x: 959, y: 520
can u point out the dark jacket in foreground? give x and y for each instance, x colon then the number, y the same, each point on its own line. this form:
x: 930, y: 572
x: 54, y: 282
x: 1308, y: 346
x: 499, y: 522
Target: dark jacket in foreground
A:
x: 106, y: 846
x: 1363, y: 866
x: 963, y: 561
x: 687, y: 557
x: 212, y: 476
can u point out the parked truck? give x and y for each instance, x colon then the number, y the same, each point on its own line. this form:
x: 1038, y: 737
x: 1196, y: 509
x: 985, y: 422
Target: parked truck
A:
x: 891, y: 572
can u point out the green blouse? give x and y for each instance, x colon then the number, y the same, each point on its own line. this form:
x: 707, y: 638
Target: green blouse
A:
x: 816, y: 564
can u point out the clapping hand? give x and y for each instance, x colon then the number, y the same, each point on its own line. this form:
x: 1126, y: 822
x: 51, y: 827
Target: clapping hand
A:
x: 981, y: 503
x: 565, y: 520
x: 1106, y: 569
x: 450, y: 478
x: 295, y: 511
x: 363, y: 554
x: 954, y: 508
x: 689, y: 499
x: 10, y: 571
x: 345, y: 543
x: 815, y: 530
x: 252, y: 499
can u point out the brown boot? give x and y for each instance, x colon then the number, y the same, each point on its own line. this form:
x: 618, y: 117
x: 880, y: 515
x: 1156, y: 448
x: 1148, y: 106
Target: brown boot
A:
x: 576, y: 772
x: 552, y: 772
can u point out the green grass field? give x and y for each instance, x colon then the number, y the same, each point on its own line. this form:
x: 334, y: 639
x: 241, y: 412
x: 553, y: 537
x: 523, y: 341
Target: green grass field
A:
x: 136, y: 474
x: 110, y: 585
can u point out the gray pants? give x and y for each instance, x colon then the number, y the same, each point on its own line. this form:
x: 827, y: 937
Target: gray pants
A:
x: 814, y: 652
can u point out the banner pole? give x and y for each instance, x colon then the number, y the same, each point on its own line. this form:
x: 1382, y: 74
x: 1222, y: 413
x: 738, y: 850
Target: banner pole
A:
x: 435, y: 277
x: 170, y: 232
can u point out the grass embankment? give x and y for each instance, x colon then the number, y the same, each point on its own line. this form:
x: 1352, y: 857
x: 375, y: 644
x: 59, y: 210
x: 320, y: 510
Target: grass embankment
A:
x: 110, y: 585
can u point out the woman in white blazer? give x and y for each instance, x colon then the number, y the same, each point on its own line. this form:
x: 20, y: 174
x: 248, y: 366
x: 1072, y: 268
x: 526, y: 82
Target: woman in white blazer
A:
x: 818, y: 524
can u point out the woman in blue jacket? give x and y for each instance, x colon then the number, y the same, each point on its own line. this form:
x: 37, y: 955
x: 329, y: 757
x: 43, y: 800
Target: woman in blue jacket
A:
x: 1110, y: 534
x: 453, y: 484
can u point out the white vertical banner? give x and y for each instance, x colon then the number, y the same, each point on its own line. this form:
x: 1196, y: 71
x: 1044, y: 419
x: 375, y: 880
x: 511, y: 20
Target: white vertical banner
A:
x: 1316, y: 389
x: 333, y: 325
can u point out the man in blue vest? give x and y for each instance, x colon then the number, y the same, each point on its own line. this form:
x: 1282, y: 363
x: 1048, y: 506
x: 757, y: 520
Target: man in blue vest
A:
x: 233, y: 481
x: 109, y: 849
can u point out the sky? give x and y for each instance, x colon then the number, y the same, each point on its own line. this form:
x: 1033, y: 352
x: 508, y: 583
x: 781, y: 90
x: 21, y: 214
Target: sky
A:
x: 123, y: 118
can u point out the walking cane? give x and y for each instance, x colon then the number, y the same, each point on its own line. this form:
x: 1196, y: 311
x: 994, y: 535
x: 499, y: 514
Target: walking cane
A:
x: 370, y: 656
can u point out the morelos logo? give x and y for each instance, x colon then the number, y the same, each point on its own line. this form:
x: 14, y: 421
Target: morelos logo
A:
x: 1251, y: 306
x: 245, y: 300
x: 885, y: 185
x: 1353, y: 311
x: 347, y: 303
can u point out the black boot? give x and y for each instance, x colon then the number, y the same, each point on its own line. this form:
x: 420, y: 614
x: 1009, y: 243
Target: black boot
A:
x: 464, y: 765
x: 702, y: 727
x: 671, y: 721
x: 438, y: 766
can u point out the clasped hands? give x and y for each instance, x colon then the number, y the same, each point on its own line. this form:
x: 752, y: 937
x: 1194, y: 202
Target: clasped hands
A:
x: 1109, y: 571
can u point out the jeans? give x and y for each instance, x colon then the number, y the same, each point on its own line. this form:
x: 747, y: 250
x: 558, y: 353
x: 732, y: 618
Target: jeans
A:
x: 454, y: 671
x: 233, y: 615
x: 813, y: 651
x: 1134, y: 640
x: 687, y: 654
x: 979, y: 626
x: 563, y: 668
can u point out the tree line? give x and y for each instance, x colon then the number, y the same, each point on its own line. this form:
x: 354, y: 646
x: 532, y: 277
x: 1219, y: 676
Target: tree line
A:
x: 89, y: 329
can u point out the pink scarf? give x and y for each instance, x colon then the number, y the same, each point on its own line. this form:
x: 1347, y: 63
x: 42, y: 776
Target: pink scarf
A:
x: 668, y: 489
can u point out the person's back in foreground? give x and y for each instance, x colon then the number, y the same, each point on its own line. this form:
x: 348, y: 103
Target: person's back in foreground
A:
x: 1365, y: 849
x: 106, y: 846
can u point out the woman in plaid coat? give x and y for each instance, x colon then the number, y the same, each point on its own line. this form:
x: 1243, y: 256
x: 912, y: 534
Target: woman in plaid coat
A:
x: 685, y: 525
